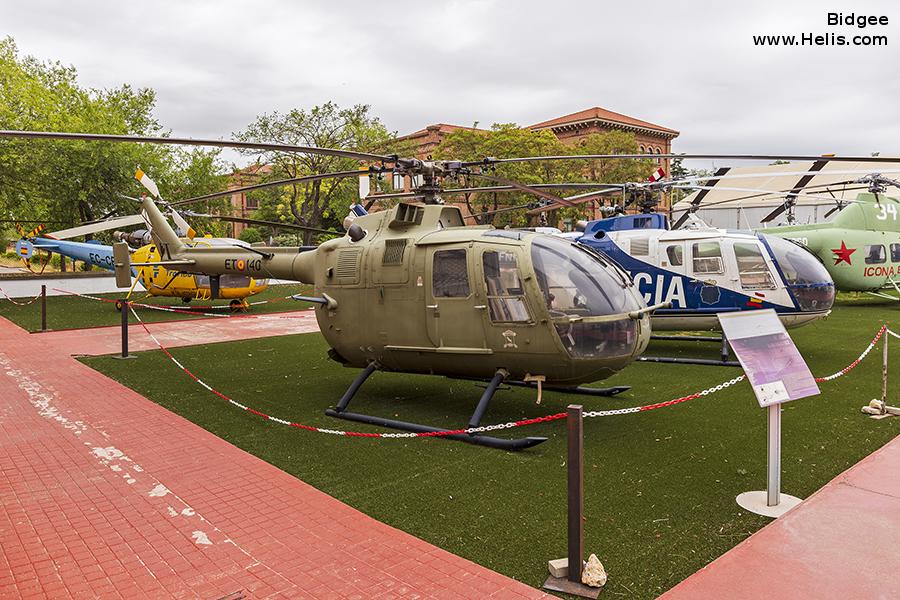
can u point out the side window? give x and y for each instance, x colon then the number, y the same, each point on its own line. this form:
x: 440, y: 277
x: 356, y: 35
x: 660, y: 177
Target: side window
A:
x: 449, y: 274
x: 752, y: 268
x: 875, y: 254
x: 675, y: 255
x: 895, y: 252
x: 504, y: 287
x: 708, y: 257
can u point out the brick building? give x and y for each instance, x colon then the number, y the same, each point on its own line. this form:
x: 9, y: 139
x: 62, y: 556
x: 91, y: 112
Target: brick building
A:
x: 570, y: 129
x: 241, y: 205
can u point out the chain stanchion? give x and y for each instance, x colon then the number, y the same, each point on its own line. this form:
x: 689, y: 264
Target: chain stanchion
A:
x: 126, y: 308
x: 879, y: 409
x: 43, y: 307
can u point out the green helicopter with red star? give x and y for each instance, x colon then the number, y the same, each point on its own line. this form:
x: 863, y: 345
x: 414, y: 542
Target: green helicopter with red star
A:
x: 860, y: 246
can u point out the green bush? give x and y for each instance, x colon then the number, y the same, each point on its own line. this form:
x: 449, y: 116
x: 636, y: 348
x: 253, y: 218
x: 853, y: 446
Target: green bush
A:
x: 251, y: 235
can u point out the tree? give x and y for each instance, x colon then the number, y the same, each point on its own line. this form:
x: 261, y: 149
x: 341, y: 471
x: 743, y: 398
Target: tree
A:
x: 319, y: 203
x: 74, y: 181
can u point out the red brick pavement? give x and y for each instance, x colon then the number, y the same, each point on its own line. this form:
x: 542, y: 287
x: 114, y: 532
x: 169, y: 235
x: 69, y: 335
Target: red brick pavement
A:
x: 192, y: 332
x: 106, y: 494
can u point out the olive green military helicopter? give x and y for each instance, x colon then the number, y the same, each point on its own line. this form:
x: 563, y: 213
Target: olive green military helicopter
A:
x: 413, y: 289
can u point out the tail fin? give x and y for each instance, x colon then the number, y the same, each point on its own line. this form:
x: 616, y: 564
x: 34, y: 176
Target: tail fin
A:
x: 122, y: 261
x: 163, y: 235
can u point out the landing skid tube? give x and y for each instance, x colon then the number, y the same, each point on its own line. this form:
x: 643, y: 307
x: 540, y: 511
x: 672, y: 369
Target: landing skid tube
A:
x: 722, y: 362
x: 579, y: 390
x: 340, y: 412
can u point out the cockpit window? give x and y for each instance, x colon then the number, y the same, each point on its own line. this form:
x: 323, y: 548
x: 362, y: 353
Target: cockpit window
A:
x: 234, y: 281
x: 449, y: 274
x: 573, y: 282
x: 675, y: 255
x: 506, y: 298
x: 875, y: 254
x: 577, y: 286
x: 805, y: 276
x: 708, y: 257
x: 752, y: 268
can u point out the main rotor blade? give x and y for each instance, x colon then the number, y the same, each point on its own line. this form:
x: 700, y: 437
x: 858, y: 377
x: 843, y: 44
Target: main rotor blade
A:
x: 140, y: 139
x: 261, y: 186
x: 525, y: 188
x: 262, y: 222
x: 761, y: 193
x: 774, y: 213
x: 486, y: 162
x: 837, y: 208
x: 788, y: 194
x: 490, y: 188
x: 96, y: 227
x: 681, y: 220
x: 758, y: 175
x: 578, y: 199
x: 720, y: 172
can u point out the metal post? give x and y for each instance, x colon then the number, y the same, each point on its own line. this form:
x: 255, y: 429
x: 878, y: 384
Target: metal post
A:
x: 43, y: 308
x: 773, y: 488
x: 124, y: 328
x: 575, y: 433
x: 724, y: 348
x: 884, y: 373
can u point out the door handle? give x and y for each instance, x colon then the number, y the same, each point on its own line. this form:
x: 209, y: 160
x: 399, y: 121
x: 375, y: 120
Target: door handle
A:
x: 480, y: 306
x: 431, y: 306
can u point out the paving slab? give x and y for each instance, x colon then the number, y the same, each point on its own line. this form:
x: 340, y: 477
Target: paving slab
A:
x: 94, y: 341
x: 105, y: 494
x: 841, y: 542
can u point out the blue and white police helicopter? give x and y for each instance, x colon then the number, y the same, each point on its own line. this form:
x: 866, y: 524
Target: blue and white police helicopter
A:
x: 702, y: 271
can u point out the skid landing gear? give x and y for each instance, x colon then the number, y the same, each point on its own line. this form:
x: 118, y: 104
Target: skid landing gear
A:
x: 340, y: 412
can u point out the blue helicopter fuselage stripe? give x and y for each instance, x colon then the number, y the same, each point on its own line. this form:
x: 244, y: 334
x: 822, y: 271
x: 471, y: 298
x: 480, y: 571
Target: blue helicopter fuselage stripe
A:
x: 687, y: 295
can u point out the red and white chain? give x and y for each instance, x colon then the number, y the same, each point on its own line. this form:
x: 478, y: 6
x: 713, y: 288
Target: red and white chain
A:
x: 180, y: 311
x: 859, y: 359
x: 488, y: 428
x: 32, y: 301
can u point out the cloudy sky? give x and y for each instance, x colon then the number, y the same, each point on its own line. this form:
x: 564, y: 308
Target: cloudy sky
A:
x: 688, y: 65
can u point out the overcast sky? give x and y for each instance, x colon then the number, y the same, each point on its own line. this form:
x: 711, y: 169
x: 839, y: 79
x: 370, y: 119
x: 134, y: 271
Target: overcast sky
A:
x: 690, y: 66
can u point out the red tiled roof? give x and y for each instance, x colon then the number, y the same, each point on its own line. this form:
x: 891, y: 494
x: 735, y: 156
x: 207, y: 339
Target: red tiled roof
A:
x: 441, y: 127
x: 601, y: 114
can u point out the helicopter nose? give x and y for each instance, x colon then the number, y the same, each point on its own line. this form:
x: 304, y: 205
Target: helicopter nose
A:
x: 805, y: 277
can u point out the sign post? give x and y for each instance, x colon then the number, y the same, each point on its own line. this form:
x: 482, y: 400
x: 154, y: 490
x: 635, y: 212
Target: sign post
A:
x: 778, y: 374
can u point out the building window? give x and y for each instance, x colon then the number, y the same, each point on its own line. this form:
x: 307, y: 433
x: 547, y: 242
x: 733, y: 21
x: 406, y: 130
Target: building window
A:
x: 251, y: 203
x: 450, y: 276
x: 642, y: 150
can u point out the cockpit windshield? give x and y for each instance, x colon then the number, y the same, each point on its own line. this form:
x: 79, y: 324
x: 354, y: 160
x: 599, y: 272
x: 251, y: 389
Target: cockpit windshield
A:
x: 805, y: 276
x: 574, y: 282
x: 577, y: 286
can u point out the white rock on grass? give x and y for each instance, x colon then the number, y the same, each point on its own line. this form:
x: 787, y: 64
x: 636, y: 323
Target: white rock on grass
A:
x: 593, y: 574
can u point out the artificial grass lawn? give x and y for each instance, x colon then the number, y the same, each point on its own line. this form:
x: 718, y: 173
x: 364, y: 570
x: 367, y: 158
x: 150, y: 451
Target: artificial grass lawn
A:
x: 660, y: 486
x: 73, y: 312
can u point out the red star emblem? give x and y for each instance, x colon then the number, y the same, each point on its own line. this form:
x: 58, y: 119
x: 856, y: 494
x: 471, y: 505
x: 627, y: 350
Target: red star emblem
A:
x: 843, y: 253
